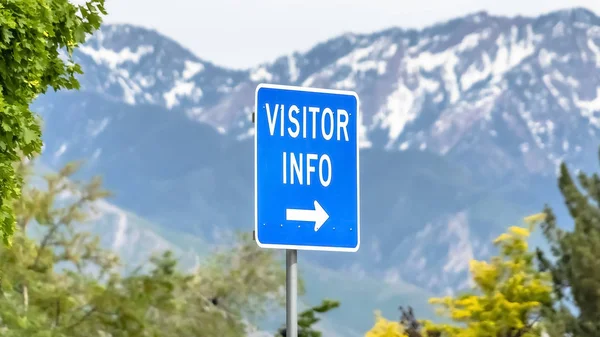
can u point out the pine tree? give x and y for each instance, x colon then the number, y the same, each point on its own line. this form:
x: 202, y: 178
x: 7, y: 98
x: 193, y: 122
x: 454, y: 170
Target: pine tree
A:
x: 575, y: 267
x: 308, y: 318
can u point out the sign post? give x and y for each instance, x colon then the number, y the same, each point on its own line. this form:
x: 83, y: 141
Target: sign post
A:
x: 306, y: 175
x: 291, y: 293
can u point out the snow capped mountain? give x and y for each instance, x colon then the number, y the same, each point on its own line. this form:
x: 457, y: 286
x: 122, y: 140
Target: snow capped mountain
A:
x: 463, y: 124
x: 138, y: 66
x: 509, y: 93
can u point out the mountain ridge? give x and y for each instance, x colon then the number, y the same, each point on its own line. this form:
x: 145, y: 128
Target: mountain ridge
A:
x: 439, y: 24
x: 436, y: 89
x: 462, y: 129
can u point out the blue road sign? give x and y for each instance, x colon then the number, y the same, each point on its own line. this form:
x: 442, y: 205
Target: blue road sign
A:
x: 306, y: 169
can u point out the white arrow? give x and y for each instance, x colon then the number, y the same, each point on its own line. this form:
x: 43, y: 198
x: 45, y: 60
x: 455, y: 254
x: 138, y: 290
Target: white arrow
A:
x: 317, y: 215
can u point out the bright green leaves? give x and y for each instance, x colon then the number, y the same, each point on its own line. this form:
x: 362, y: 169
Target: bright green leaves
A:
x: 308, y: 318
x: 35, y: 300
x: 32, y: 32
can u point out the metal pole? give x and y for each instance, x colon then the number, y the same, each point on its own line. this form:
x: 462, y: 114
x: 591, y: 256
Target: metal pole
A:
x: 291, y: 292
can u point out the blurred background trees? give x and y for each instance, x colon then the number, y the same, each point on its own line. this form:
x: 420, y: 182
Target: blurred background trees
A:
x: 59, y: 281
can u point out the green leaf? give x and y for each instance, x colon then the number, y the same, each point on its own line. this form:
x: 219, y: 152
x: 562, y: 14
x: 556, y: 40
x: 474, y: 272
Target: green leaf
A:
x: 29, y: 136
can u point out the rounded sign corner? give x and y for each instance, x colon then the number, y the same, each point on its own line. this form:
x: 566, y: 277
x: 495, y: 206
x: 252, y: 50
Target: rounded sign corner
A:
x: 260, y: 86
x: 257, y: 240
x: 355, y: 95
x: 260, y: 244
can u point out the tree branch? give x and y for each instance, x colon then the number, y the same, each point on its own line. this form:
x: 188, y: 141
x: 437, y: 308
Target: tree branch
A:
x: 82, y: 318
x: 57, y: 316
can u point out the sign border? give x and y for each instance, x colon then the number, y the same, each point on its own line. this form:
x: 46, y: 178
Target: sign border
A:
x: 256, y: 117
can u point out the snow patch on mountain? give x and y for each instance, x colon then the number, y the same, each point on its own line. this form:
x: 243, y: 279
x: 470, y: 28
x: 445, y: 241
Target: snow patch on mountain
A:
x: 402, y: 107
x: 113, y: 58
x: 261, y: 74
x: 590, y: 108
x: 191, y: 69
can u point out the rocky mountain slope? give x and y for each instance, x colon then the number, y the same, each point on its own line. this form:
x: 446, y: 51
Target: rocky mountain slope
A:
x: 463, y: 124
x: 511, y: 93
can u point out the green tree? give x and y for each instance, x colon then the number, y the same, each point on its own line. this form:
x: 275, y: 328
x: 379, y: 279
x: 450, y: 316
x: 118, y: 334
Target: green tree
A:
x: 38, y: 301
x: 308, y: 318
x: 235, y: 285
x: 61, y: 283
x: 575, y: 267
x: 32, y: 35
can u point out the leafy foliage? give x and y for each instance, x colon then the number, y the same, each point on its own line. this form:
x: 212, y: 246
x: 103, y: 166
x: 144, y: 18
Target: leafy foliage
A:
x: 576, y: 270
x: 37, y: 301
x: 509, y: 296
x: 385, y: 328
x: 32, y: 35
x: 308, y: 318
x: 511, y: 293
x: 64, y: 284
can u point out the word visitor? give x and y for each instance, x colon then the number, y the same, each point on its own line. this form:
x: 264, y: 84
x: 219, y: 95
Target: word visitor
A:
x: 326, y: 124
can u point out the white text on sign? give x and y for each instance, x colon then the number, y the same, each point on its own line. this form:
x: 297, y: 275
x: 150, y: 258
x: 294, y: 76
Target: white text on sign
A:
x: 338, y: 124
x: 327, y: 124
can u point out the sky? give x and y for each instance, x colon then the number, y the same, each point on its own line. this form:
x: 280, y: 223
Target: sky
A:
x: 244, y: 33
